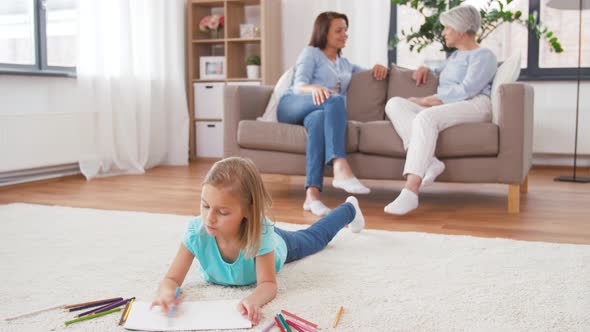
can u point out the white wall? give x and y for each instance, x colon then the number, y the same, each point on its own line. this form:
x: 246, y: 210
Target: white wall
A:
x: 40, y: 122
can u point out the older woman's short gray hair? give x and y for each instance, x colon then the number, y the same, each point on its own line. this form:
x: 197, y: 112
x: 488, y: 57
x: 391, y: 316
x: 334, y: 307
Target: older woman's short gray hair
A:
x: 465, y: 18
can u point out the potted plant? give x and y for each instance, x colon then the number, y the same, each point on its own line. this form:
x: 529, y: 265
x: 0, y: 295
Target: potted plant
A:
x: 493, y: 15
x: 253, y: 66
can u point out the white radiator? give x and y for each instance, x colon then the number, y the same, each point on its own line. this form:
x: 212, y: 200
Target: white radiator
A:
x: 35, y: 141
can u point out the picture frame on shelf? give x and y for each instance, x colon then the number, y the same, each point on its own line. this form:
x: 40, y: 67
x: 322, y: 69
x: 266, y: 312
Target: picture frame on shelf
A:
x: 247, y: 31
x: 212, y: 67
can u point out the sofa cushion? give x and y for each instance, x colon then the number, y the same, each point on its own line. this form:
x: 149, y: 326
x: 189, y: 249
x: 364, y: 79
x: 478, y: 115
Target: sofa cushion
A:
x: 464, y: 140
x: 379, y: 137
x: 276, y: 136
x: 402, y: 85
x: 366, y: 97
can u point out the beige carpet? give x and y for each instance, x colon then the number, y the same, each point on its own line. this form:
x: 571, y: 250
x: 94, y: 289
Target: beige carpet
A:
x: 386, y: 281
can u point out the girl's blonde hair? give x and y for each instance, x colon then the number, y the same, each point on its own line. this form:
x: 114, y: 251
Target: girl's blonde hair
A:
x: 241, y: 177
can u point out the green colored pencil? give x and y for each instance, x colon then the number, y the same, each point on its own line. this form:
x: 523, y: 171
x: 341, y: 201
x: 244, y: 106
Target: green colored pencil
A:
x: 92, y: 316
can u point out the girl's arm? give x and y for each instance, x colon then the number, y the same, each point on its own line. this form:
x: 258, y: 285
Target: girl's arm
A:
x: 174, y: 278
x: 266, y: 288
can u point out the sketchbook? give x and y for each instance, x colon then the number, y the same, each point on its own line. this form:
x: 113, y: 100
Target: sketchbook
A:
x: 199, y: 315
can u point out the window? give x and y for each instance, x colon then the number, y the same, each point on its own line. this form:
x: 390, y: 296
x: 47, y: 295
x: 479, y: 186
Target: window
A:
x: 566, y: 25
x: 538, y: 62
x: 38, y: 36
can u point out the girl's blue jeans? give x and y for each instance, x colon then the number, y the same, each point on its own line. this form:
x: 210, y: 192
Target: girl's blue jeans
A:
x: 308, y: 241
x: 326, y: 130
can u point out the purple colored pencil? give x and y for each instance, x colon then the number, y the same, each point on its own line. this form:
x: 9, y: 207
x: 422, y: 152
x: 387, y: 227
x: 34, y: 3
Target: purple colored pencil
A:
x: 105, y: 307
x: 96, y: 304
x: 268, y: 327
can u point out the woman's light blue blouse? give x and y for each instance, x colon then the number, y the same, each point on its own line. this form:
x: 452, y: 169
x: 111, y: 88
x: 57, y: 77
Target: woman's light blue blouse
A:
x: 314, y: 67
x: 465, y: 74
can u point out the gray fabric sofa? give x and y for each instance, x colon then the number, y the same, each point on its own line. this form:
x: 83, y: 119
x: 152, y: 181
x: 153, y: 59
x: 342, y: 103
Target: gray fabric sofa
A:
x: 473, y: 153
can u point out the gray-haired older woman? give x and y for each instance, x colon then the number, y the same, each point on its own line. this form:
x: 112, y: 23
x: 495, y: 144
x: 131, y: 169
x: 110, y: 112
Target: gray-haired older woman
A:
x: 463, y: 96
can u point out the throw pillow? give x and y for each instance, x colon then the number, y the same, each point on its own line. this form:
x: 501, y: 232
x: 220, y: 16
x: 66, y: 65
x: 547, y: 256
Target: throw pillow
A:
x: 270, y: 113
x: 402, y: 85
x: 366, y: 97
x: 507, y: 73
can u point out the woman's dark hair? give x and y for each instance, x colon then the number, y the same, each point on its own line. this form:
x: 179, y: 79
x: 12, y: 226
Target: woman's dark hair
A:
x: 319, y: 36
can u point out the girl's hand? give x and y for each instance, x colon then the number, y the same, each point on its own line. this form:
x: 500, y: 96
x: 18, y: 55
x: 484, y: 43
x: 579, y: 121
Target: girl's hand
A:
x: 320, y: 94
x: 166, y: 300
x: 379, y: 72
x: 420, y: 75
x: 245, y: 307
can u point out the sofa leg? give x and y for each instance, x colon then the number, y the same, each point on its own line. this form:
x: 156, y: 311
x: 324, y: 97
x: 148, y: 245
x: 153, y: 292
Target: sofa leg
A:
x: 513, y: 198
x: 524, y: 186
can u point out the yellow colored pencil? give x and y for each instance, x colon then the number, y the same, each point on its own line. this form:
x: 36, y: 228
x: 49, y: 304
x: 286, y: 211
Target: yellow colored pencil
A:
x: 125, y: 312
x: 338, y: 316
x: 128, y: 309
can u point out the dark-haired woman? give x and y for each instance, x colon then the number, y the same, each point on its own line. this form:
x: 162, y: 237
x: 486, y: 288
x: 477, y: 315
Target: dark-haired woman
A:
x: 317, y: 100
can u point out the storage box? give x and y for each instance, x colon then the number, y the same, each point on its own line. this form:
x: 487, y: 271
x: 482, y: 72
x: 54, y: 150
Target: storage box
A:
x: 209, y: 136
x: 209, y: 100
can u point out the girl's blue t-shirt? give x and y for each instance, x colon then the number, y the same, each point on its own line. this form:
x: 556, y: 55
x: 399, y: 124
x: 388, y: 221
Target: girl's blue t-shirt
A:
x: 239, y: 273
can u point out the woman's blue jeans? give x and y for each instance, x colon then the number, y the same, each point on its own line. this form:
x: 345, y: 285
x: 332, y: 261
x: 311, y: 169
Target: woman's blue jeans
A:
x: 326, y: 130
x: 316, y: 237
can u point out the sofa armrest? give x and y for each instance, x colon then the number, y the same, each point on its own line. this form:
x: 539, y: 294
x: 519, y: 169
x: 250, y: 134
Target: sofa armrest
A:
x: 241, y: 102
x: 515, y: 121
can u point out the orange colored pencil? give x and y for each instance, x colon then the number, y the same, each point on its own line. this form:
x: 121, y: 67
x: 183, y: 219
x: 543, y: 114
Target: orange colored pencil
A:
x: 338, y: 316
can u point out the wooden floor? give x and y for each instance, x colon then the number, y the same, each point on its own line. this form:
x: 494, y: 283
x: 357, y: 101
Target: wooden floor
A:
x: 550, y: 211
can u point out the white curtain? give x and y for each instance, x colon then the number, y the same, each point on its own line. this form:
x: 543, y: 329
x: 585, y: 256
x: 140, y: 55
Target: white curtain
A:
x: 131, y: 76
x: 368, y: 32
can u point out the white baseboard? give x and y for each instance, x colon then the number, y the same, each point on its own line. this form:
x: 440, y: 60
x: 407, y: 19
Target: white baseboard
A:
x: 37, y: 174
x: 544, y: 159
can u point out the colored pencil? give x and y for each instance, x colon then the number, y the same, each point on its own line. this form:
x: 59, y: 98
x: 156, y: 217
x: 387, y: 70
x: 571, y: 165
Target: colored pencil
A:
x: 269, y: 326
x: 279, y: 324
x: 104, y: 308
x: 300, y: 326
x: 125, y: 312
x: 92, y: 316
x: 299, y: 318
x: 338, y: 316
x: 285, y: 325
x: 27, y: 314
x: 93, y: 303
x: 296, y: 327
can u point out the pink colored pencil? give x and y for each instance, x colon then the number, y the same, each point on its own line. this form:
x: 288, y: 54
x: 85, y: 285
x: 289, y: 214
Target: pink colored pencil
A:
x: 299, y: 318
x: 295, y: 327
x: 301, y: 327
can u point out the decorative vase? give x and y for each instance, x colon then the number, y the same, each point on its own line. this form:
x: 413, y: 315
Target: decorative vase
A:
x: 253, y: 72
x: 216, y: 34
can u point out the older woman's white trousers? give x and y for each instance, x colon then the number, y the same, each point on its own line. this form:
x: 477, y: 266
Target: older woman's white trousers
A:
x: 419, y: 126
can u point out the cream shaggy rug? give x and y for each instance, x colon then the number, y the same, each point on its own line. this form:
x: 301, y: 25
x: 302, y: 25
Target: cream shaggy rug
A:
x: 386, y: 281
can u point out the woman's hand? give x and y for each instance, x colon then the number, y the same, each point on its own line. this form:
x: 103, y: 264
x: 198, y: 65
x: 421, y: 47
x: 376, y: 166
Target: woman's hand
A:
x: 379, y: 72
x: 320, y: 94
x: 426, y: 101
x: 247, y: 308
x: 420, y: 75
